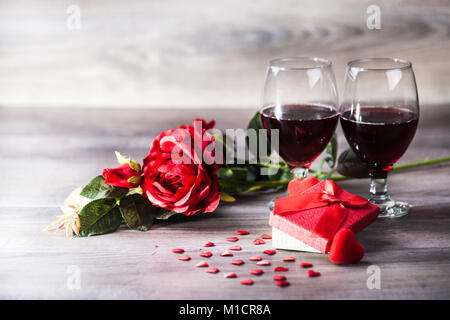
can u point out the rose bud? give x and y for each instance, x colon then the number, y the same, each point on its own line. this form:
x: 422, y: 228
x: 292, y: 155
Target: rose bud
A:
x: 122, y: 176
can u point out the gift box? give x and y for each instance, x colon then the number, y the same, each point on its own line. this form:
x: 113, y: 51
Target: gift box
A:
x: 313, y: 212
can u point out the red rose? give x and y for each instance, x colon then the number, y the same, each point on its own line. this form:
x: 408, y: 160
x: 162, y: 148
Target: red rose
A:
x: 122, y: 176
x: 180, y: 173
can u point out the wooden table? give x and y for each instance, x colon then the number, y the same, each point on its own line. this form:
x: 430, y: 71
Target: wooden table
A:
x: 45, y: 153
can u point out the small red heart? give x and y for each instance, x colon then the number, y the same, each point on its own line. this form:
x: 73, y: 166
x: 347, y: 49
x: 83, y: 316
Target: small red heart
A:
x: 237, y: 262
x: 209, y: 244
x: 178, y: 250
x: 230, y: 275
x: 263, y: 263
x: 306, y: 264
x: 312, y: 273
x: 202, y: 264
x: 184, y: 258
x: 212, y: 270
x: 283, y: 283
x: 255, y: 258
x: 232, y: 239
x: 266, y: 236
x: 271, y: 252
x: 258, y: 242
x: 278, y: 277
x: 256, y: 271
x: 280, y: 269
x: 289, y: 259
x: 206, y: 254
x: 345, y: 248
x: 236, y: 248
x: 226, y: 254
x: 247, y: 282
x: 242, y: 232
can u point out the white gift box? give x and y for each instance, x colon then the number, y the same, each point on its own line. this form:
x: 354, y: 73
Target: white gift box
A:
x: 281, y: 240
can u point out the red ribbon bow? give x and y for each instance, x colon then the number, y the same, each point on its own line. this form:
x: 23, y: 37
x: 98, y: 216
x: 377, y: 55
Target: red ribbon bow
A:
x: 332, y: 218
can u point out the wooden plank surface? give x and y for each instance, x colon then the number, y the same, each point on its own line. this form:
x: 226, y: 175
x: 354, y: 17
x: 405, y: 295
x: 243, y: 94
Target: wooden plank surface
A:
x: 45, y: 153
x: 203, y: 54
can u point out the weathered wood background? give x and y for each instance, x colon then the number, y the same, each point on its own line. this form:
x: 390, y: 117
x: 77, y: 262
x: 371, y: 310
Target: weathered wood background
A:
x: 206, y: 57
x: 202, y: 53
x: 46, y: 152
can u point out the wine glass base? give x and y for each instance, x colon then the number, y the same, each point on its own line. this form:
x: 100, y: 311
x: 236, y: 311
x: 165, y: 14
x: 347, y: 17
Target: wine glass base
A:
x: 393, y: 209
x: 271, y: 204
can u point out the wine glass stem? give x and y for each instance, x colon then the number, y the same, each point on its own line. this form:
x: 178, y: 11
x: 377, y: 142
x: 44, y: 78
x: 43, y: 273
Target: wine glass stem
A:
x: 299, y: 172
x: 378, y: 190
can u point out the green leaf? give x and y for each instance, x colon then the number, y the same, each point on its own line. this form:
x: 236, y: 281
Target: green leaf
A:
x: 349, y: 165
x: 138, y: 212
x: 331, y: 152
x: 242, y: 179
x: 165, y: 214
x: 242, y: 173
x: 282, y: 174
x: 256, y: 123
x: 97, y: 189
x: 329, y: 158
x: 225, y: 197
x: 99, y: 217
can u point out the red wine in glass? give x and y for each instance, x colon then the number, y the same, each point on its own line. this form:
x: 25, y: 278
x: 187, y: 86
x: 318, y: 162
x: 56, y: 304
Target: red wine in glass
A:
x: 379, y: 115
x: 304, y: 130
x: 379, y: 136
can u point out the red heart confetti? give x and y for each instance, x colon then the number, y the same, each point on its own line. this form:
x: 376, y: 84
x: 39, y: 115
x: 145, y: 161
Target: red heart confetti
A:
x: 184, y: 258
x: 271, y: 252
x: 247, y: 282
x: 282, y: 283
x: 266, y: 236
x: 209, y: 244
x: 206, y: 254
x: 232, y: 239
x: 230, y: 275
x: 178, y: 250
x: 289, y: 259
x: 258, y: 241
x: 237, y: 262
x: 202, y: 264
x: 212, y: 270
x: 227, y: 254
x: 263, y: 263
x: 312, y: 273
x: 280, y: 269
x: 242, y: 232
x: 278, y: 277
x: 306, y: 264
x: 257, y: 271
x: 255, y: 258
x: 236, y: 248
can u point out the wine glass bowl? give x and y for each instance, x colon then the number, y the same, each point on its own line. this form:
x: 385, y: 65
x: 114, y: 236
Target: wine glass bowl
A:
x: 300, y: 100
x: 379, y: 117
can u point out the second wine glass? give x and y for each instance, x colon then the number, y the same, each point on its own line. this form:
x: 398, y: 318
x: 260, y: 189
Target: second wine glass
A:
x: 300, y: 100
x: 379, y: 117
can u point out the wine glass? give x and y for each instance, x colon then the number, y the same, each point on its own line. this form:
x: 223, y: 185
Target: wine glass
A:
x: 379, y: 116
x: 300, y: 100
